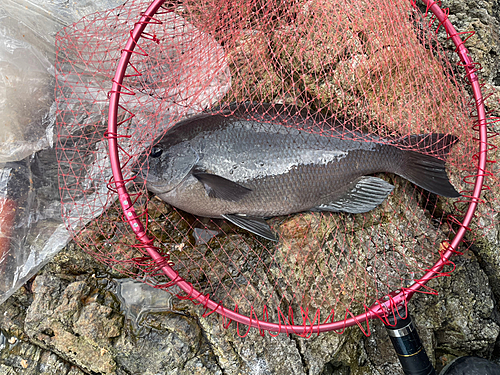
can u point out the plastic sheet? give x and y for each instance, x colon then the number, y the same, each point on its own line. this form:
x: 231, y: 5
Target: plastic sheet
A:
x: 27, y: 53
x: 31, y: 227
x: 31, y: 230
x: 138, y: 299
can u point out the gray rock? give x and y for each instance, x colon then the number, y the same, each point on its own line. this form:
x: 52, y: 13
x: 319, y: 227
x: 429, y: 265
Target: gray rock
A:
x: 170, y: 343
x: 463, y: 318
x: 65, y: 318
x: 21, y: 357
x: 482, y: 17
x: 252, y: 354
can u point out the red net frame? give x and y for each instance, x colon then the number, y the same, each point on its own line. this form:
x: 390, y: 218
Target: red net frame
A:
x: 309, y: 321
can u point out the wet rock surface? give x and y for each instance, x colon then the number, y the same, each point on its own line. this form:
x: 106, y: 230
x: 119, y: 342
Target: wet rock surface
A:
x: 68, y: 319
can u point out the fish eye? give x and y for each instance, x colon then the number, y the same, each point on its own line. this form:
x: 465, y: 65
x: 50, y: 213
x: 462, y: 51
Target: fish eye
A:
x: 156, y: 152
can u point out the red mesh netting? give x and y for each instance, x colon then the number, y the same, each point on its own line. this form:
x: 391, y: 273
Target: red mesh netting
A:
x: 372, y: 70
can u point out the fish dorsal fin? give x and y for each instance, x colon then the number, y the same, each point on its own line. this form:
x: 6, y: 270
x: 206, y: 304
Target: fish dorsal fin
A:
x: 252, y: 224
x: 220, y: 187
x: 365, y: 194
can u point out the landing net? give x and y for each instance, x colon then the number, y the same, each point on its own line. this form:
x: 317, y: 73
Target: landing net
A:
x: 384, y: 68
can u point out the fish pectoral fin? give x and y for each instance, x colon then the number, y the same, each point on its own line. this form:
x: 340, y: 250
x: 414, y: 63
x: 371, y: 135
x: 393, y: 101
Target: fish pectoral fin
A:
x: 220, y: 187
x: 252, y: 224
x: 365, y: 194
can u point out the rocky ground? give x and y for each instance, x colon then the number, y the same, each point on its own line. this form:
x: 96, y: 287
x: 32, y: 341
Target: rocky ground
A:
x: 74, y: 317
x: 69, y: 319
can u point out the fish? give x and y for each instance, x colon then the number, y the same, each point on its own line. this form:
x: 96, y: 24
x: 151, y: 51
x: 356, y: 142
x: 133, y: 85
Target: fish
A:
x: 248, y: 163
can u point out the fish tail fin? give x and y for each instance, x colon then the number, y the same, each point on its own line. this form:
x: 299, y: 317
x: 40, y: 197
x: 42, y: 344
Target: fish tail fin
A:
x: 426, y: 167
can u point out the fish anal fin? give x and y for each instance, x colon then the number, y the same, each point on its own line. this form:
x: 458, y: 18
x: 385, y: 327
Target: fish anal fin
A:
x: 220, y: 187
x: 365, y: 194
x: 252, y: 224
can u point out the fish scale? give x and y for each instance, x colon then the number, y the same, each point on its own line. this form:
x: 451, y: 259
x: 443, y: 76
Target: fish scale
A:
x: 251, y: 164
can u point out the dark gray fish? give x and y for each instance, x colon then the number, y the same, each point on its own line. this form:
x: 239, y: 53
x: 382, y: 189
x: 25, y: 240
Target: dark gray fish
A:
x: 251, y: 164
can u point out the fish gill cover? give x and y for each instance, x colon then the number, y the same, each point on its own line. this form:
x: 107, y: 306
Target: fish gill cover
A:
x: 368, y: 71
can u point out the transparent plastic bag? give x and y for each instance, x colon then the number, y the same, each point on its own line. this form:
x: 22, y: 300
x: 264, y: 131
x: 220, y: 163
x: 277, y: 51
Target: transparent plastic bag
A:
x: 27, y: 54
x: 31, y: 226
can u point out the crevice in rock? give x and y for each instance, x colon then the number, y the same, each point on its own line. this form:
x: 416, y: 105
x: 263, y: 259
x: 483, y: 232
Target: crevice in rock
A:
x: 203, y: 336
x: 364, y: 352
x: 496, y: 79
x: 489, y: 270
x: 335, y: 367
x: 303, y: 360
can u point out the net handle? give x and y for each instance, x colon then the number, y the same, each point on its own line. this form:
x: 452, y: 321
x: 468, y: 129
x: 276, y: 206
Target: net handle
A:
x: 378, y: 309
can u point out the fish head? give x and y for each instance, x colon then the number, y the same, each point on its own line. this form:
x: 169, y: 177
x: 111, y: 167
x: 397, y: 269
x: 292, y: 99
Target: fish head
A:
x: 164, y: 168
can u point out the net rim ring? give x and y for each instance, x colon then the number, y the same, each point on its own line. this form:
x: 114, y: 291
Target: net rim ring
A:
x: 378, y: 309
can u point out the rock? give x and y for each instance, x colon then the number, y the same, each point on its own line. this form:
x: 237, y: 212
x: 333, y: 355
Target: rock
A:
x: 379, y: 352
x: 169, y: 342
x: 319, y: 351
x: 253, y: 353
x: 463, y: 318
x: 73, y: 261
x: 27, y: 359
x: 65, y: 319
x: 482, y: 17
x: 460, y: 320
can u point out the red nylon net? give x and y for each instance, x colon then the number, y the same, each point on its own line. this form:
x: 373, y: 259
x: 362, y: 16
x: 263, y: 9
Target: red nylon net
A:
x: 379, y: 67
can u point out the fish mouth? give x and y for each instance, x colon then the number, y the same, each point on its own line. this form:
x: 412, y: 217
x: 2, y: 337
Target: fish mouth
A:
x: 138, y: 175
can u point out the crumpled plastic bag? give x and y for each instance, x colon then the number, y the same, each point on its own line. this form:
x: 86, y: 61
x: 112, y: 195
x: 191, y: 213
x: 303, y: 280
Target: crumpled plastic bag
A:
x: 31, y: 225
x: 27, y: 54
x: 31, y: 229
